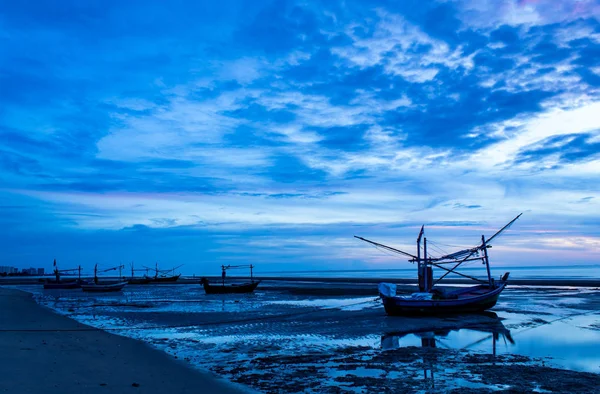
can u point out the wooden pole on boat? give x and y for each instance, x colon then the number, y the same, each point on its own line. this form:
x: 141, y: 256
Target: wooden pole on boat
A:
x: 79, y: 269
x: 419, y: 265
x: 96, y: 274
x: 426, y: 273
x: 487, y: 261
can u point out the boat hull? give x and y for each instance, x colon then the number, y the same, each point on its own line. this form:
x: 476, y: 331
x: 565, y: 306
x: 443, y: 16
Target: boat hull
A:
x: 399, y: 306
x: 103, y: 288
x: 139, y: 281
x: 62, y: 285
x: 230, y: 289
x: 166, y: 279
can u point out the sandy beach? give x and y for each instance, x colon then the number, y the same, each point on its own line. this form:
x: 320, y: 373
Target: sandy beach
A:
x: 44, y: 352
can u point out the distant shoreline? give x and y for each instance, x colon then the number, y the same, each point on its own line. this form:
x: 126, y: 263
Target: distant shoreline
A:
x: 272, y: 280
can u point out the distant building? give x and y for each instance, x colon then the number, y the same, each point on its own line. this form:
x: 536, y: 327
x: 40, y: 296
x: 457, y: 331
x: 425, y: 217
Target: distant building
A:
x: 40, y: 271
x: 5, y: 269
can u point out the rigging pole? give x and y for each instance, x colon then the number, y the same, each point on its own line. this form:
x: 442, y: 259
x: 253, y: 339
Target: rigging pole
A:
x: 485, y: 257
x: 426, y: 273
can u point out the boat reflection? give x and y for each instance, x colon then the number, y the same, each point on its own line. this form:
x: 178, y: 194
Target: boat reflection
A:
x: 466, y: 336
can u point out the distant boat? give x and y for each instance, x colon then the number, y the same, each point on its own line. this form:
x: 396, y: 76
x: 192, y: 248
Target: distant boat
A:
x: 140, y: 280
x: 62, y: 285
x: 165, y: 279
x: 98, y: 287
x: 233, y: 288
x: 58, y: 284
x: 161, y: 276
x: 103, y: 288
x: 432, y: 300
x: 229, y: 288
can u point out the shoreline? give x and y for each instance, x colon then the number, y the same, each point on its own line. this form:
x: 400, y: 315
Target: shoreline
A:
x: 44, y: 352
x: 272, y: 281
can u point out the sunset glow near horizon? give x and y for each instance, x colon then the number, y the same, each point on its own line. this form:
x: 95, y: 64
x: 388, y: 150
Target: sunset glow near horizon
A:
x: 271, y: 132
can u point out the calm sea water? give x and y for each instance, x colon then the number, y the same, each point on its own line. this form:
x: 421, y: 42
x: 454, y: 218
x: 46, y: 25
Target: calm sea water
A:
x: 531, y: 272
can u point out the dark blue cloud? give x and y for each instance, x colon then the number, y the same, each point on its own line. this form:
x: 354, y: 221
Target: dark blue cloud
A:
x: 569, y: 148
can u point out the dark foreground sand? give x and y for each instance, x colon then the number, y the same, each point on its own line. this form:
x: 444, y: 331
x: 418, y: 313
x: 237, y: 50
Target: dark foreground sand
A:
x: 43, y: 352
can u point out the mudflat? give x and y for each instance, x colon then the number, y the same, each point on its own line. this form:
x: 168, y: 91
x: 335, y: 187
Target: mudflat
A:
x: 44, y: 352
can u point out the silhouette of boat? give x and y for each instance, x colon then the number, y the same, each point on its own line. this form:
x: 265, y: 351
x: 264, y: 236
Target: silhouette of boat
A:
x: 62, y: 284
x: 103, y: 287
x: 161, y: 276
x: 229, y: 288
x: 98, y: 287
x: 140, y: 280
x: 432, y: 300
x: 233, y: 288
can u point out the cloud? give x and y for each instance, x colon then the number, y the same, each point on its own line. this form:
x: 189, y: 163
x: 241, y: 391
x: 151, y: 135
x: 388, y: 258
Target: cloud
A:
x: 298, y: 124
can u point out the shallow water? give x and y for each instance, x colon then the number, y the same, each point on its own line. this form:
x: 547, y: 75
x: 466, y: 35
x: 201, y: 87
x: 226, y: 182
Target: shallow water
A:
x: 338, y: 338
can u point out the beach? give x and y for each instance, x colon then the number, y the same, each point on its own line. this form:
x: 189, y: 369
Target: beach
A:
x: 44, y: 352
x: 334, y: 337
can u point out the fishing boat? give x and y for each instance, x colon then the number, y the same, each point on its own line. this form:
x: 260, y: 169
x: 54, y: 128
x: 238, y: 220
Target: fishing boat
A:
x: 230, y: 288
x: 98, y: 287
x: 140, y: 280
x: 62, y: 284
x: 436, y: 300
x: 162, y: 276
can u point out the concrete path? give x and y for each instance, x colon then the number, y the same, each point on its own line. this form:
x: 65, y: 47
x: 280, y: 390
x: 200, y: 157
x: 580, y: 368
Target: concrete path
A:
x: 63, y: 362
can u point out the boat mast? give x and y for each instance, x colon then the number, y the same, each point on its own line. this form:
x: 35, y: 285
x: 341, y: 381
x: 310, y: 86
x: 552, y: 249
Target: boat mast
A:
x: 79, y: 269
x: 251, y: 277
x: 419, y: 265
x: 426, y: 268
x: 487, y: 261
x: 96, y: 274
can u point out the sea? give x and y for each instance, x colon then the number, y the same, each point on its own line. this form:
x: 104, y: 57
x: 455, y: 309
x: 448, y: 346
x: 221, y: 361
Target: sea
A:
x: 524, y: 272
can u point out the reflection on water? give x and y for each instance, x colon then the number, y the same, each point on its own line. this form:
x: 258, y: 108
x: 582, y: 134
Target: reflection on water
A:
x: 457, y: 338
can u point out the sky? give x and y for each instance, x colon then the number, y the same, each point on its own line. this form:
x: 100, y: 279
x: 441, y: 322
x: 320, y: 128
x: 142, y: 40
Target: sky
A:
x: 271, y: 132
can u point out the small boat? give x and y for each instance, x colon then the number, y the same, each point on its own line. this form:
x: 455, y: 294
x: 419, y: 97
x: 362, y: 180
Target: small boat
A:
x: 140, y: 280
x: 98, y: 287
x: 58, y: 284
x: 229, y: 288
x: 432, y: 300
x: 165, y: 279
x: 103, y: 287
x: 162, y: 276
x: 232, y: 288
x: 62, y: 285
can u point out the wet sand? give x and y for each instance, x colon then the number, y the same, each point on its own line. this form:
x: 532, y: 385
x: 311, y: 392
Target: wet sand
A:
x: 305, y: 337
x: 43, y: 352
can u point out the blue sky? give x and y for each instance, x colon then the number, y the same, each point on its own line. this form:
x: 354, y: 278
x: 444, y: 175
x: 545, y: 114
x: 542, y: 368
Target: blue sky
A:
x: 272, y: 131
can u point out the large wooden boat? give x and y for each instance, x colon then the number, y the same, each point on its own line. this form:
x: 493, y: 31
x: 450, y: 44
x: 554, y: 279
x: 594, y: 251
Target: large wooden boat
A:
x: 230, y: 288
x: 433, y: 300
